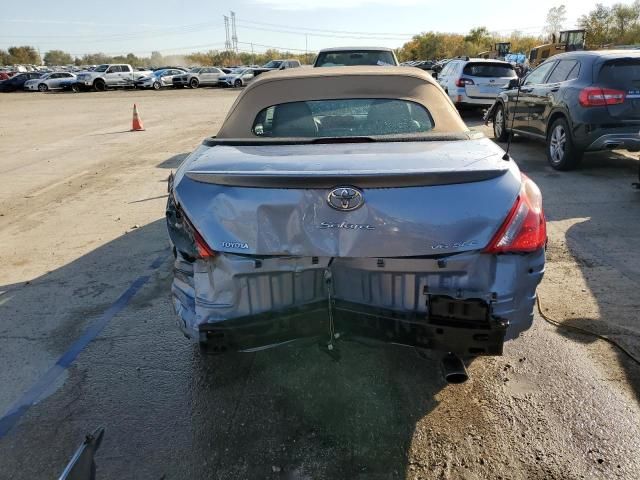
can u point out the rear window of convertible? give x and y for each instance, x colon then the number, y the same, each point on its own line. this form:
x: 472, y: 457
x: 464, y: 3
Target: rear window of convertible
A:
x: 342, y: 118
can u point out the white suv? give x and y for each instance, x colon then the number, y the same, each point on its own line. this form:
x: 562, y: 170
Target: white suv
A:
x: 198, y: 76
x: 351, y: 56
x: 475, y: 82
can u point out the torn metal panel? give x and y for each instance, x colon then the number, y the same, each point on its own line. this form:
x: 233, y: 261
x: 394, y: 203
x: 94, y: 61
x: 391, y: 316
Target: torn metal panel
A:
x: 268, y: 301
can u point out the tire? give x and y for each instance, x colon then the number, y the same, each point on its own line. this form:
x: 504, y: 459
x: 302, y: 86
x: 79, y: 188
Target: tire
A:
x: 194, y: 83
x: 99, y: 85
x: 562, y: 154
x: 500, y: 125
x: 237, y: 83
x: 75, y: 88
x: 156, y: 85
x: 43, y: 87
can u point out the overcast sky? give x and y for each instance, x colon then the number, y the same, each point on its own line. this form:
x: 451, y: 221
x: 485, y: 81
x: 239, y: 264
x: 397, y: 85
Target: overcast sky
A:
x: 173, y: 26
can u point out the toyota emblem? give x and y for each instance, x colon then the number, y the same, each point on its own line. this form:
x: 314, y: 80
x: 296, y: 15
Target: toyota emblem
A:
x: 345, y: 199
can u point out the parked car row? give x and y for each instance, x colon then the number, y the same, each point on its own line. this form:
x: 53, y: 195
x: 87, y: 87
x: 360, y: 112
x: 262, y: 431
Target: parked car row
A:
x: 105, y: 76
x: 102, y: 77
x: 427, y: 65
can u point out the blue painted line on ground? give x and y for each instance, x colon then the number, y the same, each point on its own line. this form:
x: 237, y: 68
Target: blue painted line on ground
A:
x: 33, y: 394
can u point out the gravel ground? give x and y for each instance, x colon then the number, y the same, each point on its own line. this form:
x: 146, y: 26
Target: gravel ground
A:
x: 81, y: 218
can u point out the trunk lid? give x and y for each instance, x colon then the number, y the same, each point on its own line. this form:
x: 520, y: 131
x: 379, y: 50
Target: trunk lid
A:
x: 623, y: 74
x: 419, y: 198
x: 486, y: 87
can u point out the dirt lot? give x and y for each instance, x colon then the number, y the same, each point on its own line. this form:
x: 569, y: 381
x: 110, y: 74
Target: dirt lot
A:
x: 83, y: 243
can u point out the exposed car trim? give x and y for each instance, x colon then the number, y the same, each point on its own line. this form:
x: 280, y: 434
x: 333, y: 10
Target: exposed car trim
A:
x: 261, y: 141
x: 483, y: 335
x: 473, y: 104
x: 489, y: 100
x: 612, y: 141
x: 527, y: 134
x: 367, y: 179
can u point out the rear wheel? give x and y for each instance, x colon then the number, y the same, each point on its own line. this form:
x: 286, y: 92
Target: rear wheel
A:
x: 562, y: 154
x: 43, y: 87
x: 75, y: 88
x: 194, y: 83
x: 500, y: 125
x: 99, y: 85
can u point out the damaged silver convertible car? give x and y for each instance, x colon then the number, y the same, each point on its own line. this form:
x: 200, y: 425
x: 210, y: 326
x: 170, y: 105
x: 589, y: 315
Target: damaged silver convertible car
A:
x: 353, y: 202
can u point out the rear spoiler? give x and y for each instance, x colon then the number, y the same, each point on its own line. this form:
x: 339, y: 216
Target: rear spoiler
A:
x: 263, y: 141
x: 324, y: 179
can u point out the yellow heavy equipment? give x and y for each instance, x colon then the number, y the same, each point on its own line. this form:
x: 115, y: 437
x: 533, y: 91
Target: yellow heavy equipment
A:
x: 499, y: 51
x: 568, y: 41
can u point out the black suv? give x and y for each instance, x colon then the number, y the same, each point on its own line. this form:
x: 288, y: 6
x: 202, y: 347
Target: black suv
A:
x: 577, y: 102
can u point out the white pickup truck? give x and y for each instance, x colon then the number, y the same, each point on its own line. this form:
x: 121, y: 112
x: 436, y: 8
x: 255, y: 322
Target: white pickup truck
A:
x: 110, y: 76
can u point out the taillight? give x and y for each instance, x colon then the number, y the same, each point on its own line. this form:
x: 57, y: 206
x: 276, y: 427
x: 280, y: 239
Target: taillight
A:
x: 461, y: 82
x: 203, y: 249
x: 525, y: 228
x: 598, y: 97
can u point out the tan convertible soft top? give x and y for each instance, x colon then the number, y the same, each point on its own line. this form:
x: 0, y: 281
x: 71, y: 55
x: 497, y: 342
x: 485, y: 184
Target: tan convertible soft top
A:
x: 300, y: 84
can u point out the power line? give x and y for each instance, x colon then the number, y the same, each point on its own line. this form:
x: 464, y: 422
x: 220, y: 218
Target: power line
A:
x: 272, y: 46
x: 327, y: 35
x: 322, y: 30
x: 112, y: 54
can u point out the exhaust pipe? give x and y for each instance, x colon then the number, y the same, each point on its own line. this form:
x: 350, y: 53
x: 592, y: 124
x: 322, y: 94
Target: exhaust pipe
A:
x: 453, y: 369
x: 611, y: 145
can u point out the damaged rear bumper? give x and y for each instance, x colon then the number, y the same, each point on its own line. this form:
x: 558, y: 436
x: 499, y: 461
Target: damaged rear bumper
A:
x: 467, y: 304
x: 353, y: 322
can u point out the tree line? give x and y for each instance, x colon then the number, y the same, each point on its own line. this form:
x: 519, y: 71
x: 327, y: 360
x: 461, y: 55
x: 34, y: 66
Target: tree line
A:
x: 436, y: 45
x: 615, y: 25
x: 605, y: 26
x: 29, y: 55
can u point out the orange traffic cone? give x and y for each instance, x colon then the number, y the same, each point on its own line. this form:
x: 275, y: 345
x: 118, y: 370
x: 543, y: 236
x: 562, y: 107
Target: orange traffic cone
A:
x: 136, y: 125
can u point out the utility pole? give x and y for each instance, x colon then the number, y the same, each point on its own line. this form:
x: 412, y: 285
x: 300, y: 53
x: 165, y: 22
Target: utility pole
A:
x: 306, y: 47
x: 234, y: 36
x: 227, y: 43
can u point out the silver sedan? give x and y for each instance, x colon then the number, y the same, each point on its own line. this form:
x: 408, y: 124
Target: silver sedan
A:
x: 50, y: 81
